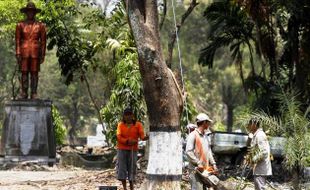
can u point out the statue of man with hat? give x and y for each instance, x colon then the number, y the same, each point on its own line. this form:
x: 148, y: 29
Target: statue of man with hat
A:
x: 30, y: 49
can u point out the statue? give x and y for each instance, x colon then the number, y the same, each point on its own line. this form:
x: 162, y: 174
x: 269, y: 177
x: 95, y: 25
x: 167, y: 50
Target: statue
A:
x: 30, y: 49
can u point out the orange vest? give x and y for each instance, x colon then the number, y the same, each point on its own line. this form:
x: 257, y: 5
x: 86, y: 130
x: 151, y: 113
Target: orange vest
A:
x: 199, y: 151
x: 124, y: 133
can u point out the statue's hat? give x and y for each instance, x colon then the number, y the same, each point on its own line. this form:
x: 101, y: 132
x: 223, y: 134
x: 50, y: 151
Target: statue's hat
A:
x: 30, y: 7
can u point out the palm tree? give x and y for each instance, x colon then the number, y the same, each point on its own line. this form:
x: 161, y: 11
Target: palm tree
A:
x: 261, y: 13
x: 229, y: 26
x: 294, y: 30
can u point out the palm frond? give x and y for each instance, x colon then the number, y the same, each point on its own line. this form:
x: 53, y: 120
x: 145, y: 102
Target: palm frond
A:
x: 229, y: 26
x: 272, y: 125
x: 307, y: 112
x: 113, y: 44
x: 207, y: 54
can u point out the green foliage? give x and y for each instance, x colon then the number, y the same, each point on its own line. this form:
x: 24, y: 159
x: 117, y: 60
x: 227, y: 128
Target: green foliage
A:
x: 188, y: 114
x: 85, y: 37
x: 219, y: 126
x: 127, y: 92
x: 230, y: 26
x: 239, y: 24
x: 9, y: 16
x: 271, y: 125
x: 75, y: 52
x: 265, y: 91
x: 296, y: 128
x: 59, y: 128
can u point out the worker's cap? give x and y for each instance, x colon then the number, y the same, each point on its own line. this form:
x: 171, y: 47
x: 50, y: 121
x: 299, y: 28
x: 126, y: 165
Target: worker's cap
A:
x: 128, y: 110
x: 191, y: 126
x: 203, y: 117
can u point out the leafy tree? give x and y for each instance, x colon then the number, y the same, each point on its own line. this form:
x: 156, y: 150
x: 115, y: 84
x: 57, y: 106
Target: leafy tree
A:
x: 260, y: 12
x: 127, y: 92
x: 9, y: 16
x: 293, y: 23
x: 115, y: 43
x: 231, y: 27
x: 276, y: 29
x: 75, y: 52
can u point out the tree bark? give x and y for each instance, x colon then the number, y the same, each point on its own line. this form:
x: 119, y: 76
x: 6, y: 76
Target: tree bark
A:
x: 230, y: 118
x: 229, y: 99
x: 164, y: 100
x: 73, y: 120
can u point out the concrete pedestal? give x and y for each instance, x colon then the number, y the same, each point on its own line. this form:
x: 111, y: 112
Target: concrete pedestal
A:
x: 28, y: 133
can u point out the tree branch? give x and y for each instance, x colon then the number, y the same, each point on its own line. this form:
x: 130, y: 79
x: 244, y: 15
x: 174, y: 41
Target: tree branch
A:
x: 97, y: 108
x: 173, y: 34
x: 82, y: 72
x: 164, y: 15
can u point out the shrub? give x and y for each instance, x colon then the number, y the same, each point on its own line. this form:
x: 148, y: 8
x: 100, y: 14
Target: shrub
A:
x: 60, y: 130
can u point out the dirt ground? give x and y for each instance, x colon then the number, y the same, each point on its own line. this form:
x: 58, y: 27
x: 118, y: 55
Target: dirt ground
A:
x: 60, y: 179
x: 33, y: 177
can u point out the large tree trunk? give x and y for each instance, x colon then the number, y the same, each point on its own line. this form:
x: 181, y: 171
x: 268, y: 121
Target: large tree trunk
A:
x: 163, y: 98
x: 229, y: 99
x: 73, y: 117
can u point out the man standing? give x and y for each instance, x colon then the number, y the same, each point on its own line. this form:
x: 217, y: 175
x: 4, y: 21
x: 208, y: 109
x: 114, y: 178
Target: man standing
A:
x: 30, y: 49
x: 259, y: 155
x: 199, y: 153
x: 128, y: 133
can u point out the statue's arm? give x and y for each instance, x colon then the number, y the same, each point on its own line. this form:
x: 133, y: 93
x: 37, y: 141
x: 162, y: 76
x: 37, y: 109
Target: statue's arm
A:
x: 18, y: 41
x: 43, y: 41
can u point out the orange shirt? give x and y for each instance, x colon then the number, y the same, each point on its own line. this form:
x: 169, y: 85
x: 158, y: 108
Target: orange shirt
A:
x: 124, y: 132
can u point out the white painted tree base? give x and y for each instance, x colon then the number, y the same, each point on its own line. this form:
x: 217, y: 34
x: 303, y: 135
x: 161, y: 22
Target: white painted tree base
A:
x: 165, y: 153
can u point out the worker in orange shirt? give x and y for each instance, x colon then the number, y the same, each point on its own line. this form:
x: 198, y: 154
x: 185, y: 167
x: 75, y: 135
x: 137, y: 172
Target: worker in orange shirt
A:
x: 128, y: 133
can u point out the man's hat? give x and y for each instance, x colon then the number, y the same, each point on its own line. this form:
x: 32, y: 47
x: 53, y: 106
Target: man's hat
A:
x: 30, y: 7
x: 203, y: 117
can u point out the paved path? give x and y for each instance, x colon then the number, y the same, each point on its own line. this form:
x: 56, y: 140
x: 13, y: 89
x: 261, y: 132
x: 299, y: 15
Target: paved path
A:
x: 13, y: 177
x: 48, y: 180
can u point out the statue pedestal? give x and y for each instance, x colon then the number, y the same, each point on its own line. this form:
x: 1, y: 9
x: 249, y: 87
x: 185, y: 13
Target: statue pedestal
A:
x: 28, y: 132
